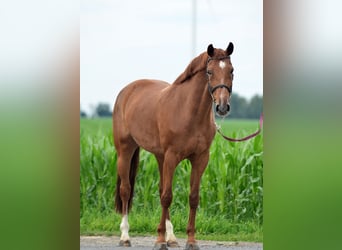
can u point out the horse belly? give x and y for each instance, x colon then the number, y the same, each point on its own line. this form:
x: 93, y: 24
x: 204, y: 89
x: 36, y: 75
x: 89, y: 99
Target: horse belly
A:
x: 146, y: 136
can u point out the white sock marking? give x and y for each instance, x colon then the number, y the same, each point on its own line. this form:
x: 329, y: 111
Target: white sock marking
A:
x: 124, y: 227
x: 222, y: 64
x: 169, y: 231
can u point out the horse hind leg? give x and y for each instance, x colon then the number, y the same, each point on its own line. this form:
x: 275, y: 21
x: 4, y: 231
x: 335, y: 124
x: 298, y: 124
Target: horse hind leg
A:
x: 171, y: 239
x: 127, y: 167
x: 199, y: 163
x: 169, y: 165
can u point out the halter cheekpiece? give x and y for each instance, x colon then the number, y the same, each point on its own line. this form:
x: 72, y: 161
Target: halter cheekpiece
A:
x: 212, y: 89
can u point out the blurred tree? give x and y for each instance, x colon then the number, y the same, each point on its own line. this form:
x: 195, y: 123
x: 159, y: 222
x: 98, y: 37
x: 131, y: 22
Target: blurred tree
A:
x: 103, y: 110
x: 83, y: 114
x: 238, y: 106
x: 255, y: 107
x: 243, y: 109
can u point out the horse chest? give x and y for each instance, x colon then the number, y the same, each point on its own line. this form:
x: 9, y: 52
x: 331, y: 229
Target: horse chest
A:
x: 192, y: 142
x: 203, y: 141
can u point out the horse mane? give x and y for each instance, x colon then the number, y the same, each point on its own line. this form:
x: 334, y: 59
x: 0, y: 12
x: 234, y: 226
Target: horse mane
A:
x: 197, y: 64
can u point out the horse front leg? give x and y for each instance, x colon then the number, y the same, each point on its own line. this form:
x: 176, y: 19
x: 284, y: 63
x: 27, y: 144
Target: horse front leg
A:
x: 199, y: 163
x: 167, y: 171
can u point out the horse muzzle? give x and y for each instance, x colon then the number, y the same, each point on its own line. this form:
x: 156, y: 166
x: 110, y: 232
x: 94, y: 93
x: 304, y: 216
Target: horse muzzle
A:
x: 222, y: 109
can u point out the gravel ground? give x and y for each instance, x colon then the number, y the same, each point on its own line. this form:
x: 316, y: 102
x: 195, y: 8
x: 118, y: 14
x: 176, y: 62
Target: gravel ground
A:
x: 147, y: 243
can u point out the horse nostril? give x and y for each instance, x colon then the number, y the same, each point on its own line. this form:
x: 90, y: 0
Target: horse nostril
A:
x: 217, y: 108
x: 228, y: 107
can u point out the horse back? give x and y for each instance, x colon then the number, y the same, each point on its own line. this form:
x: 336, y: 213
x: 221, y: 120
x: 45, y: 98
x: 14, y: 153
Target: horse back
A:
x: 141, y: 93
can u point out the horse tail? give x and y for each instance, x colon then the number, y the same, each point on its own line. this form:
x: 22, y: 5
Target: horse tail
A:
x: 132, y: 174
x: 118, y: 201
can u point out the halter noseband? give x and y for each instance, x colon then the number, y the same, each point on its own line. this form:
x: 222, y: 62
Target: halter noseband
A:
x: 212, y: 89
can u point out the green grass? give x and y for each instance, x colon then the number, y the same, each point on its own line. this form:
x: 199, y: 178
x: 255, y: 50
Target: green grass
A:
x: 92, y: 127
x: 231, y: 204
x: 145, y: 224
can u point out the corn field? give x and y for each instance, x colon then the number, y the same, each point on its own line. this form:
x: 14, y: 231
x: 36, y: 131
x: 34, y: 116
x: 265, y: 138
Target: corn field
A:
x: 231, y: 186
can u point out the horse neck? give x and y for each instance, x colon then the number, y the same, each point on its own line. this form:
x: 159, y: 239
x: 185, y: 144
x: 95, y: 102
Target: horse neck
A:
x: 197, y: 98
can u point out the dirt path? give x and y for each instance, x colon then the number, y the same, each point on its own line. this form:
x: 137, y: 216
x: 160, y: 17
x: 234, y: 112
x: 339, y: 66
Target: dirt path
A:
x: 146, y: 243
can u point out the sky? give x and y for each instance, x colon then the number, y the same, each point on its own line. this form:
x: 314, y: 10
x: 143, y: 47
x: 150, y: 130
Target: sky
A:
x: 122, y: 41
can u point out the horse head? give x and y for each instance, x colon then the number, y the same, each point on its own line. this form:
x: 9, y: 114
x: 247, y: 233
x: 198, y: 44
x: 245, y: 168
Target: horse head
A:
x: 220, y: 77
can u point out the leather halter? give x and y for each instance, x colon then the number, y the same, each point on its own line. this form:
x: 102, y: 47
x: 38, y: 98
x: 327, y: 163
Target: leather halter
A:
x: 212, y: 89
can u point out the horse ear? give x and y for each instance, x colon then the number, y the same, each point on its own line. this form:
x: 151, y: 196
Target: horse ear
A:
x: 210, y: 50
x: 230, y: 49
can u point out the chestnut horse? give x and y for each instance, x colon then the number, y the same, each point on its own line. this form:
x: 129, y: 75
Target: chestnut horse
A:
x: 173, y: 122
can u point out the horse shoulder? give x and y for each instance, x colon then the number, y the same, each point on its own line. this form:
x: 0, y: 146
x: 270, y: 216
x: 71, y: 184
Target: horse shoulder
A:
x: 205, y: 138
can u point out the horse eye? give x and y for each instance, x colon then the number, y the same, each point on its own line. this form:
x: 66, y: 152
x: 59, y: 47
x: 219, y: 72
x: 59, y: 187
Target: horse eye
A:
x: 209, y: 72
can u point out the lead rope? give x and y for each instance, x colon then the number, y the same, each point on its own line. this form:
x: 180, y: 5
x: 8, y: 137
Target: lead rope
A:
x: 218, y: 129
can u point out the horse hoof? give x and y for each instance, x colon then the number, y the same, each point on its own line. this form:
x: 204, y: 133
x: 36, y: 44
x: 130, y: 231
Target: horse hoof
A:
x: 160, y: 246
x: 126, y: 243
x: 172, y: 244
x: 191, y: 246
